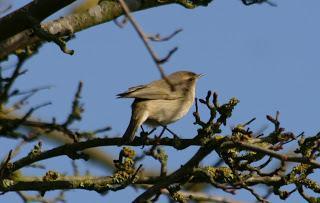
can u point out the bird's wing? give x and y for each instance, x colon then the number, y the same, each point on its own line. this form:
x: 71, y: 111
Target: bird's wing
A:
x: 150, y: 91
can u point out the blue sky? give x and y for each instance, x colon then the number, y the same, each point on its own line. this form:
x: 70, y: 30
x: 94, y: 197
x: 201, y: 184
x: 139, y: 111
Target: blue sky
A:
x: 265, y: 56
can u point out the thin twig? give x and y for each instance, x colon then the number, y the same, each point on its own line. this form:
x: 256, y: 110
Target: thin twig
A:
x: 158, y: 38
x: 145, y: 38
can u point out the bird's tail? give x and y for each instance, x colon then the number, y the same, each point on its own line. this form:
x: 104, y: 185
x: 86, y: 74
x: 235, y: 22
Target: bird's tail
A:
x: 137, y: 119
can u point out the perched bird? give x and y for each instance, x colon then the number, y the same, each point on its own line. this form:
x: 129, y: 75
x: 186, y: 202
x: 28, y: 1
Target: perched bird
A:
x: 158, y: 104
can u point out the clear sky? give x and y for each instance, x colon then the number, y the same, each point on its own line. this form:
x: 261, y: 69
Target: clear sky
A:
x: 267, y: 57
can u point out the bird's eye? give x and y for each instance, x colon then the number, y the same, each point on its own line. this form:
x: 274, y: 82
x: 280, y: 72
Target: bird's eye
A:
x: 190, y: 79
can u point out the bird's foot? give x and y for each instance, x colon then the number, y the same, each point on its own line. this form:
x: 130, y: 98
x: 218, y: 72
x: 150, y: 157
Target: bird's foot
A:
x: 144, y: 136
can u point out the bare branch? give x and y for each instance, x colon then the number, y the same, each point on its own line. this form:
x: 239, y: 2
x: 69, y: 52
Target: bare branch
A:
x: 39, y: 10
x: 158, y: 38
x: 103, y: 12
x: 144, y: 38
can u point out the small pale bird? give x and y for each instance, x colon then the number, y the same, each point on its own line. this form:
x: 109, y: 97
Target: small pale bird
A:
x: 157, y: 104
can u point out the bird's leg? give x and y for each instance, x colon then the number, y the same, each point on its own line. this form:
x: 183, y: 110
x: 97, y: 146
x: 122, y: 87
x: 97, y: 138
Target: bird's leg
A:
x: 146, y: 132
x: 144, y: 135
x: 142, y: 128
x: 163, y: 129
x: 153, y: 129
x: 175, y: 136
x: 157, y: 140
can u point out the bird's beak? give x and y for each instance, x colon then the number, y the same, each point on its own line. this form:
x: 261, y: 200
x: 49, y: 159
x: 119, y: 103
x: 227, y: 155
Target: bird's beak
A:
x: 200, y: 75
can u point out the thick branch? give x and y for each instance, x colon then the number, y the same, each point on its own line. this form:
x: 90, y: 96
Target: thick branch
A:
x: 96, y: 183
x: 17, y: 21
x: 105, y: 11
x: 63, y: 183
x: 179, y: 174
x: 37, y: 127
x: 70, y: 149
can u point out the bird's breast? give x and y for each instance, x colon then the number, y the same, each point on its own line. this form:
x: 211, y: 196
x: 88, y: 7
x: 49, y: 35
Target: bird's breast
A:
x: 163, y: 112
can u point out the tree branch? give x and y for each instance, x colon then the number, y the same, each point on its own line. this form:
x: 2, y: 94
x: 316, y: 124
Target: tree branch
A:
x: 105, y: 11
x: 39, y: 10
x: 70, y: 149
x: 60, y: 182
x: 185, y: 170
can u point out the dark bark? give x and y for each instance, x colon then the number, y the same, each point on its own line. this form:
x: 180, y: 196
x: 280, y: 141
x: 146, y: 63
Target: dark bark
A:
x: 39, y: 10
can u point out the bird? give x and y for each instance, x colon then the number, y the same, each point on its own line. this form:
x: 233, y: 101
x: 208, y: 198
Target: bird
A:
x: 160, y: 102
